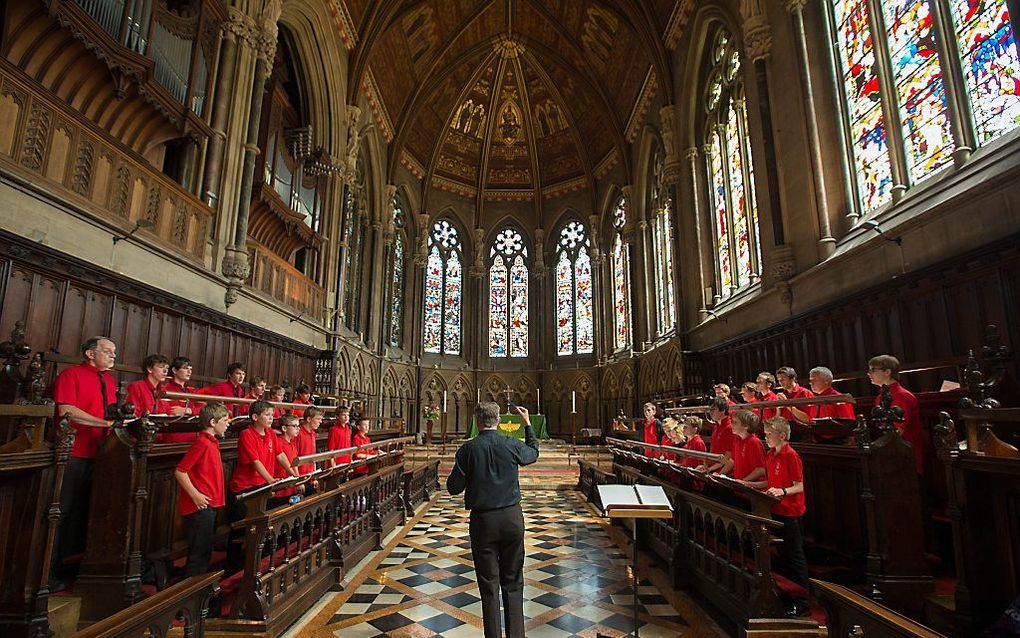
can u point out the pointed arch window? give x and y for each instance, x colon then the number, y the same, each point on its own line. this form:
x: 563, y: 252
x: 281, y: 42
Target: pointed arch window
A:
x: 898, y: 113
x: 662, y: 240
x: 575, y: 325
x: 397, y: 275
x: 621, y: 278
x: 443, y: 288
x: 508, y: 295
x: 730, y: 172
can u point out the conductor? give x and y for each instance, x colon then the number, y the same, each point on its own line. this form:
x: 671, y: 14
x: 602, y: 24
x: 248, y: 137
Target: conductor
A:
x: 486, y: 467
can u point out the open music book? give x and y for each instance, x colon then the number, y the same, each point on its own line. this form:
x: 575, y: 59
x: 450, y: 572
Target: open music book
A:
x: 635, y: 501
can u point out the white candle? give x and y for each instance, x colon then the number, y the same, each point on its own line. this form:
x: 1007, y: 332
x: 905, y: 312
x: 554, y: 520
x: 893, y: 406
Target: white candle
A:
x: 539, y: 400
x: 478, y: 395
x: 444, y: 400
x: 573, y: 402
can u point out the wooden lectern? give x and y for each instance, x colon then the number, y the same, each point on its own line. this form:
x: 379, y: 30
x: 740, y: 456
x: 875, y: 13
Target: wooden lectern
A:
x: 634, y: 502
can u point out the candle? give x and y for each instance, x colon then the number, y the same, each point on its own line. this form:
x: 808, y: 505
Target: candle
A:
x: 478, y: 395
x: 539, y: 400
x: 573, y: 402
x: 444, y: 400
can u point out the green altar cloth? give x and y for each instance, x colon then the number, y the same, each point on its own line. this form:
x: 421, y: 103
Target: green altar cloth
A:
x: 511, y: 425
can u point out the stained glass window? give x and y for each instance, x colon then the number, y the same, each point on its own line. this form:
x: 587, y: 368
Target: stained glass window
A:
x: 355, y: 206
x: 662, y: 241
x: 730, y: 173
x: 508, y: 295
x: 441, y: 330
x: 575, y: 325
x: 906, y: 34
x: 397, y: 275
x: 621, y: 279
x: 991, y: 68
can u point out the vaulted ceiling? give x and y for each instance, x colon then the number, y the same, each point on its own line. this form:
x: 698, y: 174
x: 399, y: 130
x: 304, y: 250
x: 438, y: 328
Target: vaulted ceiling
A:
x: 511, y: 99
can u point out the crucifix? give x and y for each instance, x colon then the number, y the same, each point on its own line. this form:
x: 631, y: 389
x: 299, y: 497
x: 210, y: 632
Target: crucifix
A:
x: 508, y: 399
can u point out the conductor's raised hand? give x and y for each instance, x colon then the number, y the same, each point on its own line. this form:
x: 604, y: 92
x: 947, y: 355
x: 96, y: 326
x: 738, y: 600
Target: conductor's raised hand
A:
x: 524, y: 414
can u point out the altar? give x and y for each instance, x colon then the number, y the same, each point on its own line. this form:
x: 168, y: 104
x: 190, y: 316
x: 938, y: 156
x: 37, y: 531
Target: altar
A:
x: 512, y: 425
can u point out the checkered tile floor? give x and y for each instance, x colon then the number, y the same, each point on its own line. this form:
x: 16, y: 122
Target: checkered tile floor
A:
x: 576, y: 581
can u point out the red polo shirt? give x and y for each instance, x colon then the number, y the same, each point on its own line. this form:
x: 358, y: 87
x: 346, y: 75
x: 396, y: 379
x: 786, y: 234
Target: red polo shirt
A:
x: 289, y: 448
x: 305, y: 444
x: 798, y: 392
x: 767, y: 413
x: 298, y: 412
x: 143, y: 396
x: 722, y: 436
x: 782, y: 469
x: 179, y: 437
x: 339, y: 439
x: 251, y: 447
x: 831, y: 410
x: 748, y: 454
x: 910, y: 426
x: 227, y: 389
x: 79, y: 386
x: 362, y: 439
x: 204, y: 467
x: 697, y: 444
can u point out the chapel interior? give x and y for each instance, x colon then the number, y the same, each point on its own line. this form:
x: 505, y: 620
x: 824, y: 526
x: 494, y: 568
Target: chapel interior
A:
x: 575, y: 206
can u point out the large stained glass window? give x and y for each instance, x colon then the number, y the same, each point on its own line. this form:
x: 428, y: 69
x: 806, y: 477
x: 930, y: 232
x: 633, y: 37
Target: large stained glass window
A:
x: 906, y: 35
x: 730, y: 172
x: 397, y: 275
x: 991, y: 68
x: 441, y: 331
x: 662, y: 241
x: 575, y: 325
x: 508, y: 295
x: 621, y: 278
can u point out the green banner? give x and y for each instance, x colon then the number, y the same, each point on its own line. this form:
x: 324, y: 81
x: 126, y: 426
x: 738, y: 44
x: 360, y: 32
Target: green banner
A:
x: 512, y: 425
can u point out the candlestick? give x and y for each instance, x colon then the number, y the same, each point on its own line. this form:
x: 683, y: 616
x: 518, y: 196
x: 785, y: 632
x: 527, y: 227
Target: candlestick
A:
x: 573, y: 402
x: 444, y: 401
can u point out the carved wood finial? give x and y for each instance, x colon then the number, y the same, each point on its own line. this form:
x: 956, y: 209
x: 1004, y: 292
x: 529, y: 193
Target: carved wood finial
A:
x: 945, y: 435
x: 885, y: 415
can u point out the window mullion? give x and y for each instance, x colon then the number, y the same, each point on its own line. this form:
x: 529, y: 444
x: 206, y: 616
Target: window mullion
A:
x: 960, y: 116
x: 442, y: 306
x: 851, y: 187
x: 890, y: 100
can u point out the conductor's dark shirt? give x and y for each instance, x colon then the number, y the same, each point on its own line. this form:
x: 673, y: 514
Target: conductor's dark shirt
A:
x: 487, y: 467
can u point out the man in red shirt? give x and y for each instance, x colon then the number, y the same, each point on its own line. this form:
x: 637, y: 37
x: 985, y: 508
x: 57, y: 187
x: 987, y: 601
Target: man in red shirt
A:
x: 885, y: 370
x: 200, y: 475
x: 231, y: 387
x: 257, y: 454
x: 85, y: 392
x: 765, y: 382
x: 787, y: 378
x: 748, y: 463
x: 340, y: 434
x: 722, y: 434
x: 142, y: 393
x: 821, y: 385
x: 181, y: 370
x: 784, y: 479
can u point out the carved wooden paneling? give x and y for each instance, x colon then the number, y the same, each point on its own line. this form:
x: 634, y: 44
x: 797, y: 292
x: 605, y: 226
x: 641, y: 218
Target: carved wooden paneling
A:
x: 81, y: 164
x: 277, y: 279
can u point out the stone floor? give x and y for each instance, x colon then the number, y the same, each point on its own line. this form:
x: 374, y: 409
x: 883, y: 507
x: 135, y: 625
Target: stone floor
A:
x: 422, y: 584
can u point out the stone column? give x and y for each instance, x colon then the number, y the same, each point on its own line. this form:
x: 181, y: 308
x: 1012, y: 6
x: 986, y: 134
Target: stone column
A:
x: 540, y: 316
x: 235, y: 262
x: 237, y: 26
x: 955, y: 86
x: 475, y: 305
x: 598, y: 261
x: 699, y: 239
x: 382, y: 243
x: 630, y: 239
x: 826, y: 242
x: 646, y: 271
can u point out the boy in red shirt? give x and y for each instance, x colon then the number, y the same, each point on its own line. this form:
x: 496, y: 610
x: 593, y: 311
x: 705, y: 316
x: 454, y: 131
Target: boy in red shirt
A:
x: 142, y: 393
x: 256, y: 388
x: 748, y: 392
x: 722, y: 434
x: 340, y: 434
x: 276, y: 396
x: 288, y: 449
x: 231, y: 387
x: 885, y: 370
x: 361, y: 438
x: 180, y: 369
x: 307, y: 437
x: 257, y: 454
x: 302, y: 395
x: 784, y: 479
x: 748, y: 462
x: 765, y: 382
x: 200, y: 475
x: 692, y: 425
x: 787, y: 378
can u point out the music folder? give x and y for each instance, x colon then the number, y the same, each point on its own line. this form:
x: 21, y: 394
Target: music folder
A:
x: 635, y: 501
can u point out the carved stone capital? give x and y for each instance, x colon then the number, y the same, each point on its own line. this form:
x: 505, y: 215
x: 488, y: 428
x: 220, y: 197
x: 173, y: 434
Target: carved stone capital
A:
x: 239, y: 27
x: 235, y: 266
x: 757, y: 37
x: 781, y: 262
x: 691, y: 154
x: 794, y: 6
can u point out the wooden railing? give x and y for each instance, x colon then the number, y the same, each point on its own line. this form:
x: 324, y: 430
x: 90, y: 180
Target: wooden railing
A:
x: 848, y: 615
x: 419, y: 484
x: 79, y: 163
x: 171, y: 55
x: 278, y: 279
x: 187, y: 601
